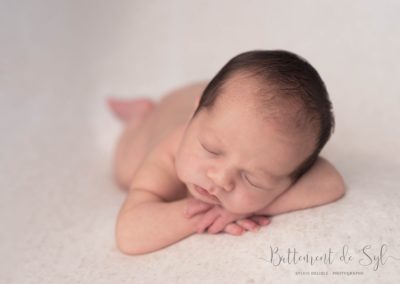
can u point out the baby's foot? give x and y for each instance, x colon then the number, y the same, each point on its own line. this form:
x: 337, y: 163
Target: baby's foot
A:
x: 130, y: 110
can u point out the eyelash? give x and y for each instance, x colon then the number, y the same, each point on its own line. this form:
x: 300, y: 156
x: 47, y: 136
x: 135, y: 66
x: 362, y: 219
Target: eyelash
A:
x: 245, y: 177
x: 211, y: 152
x: 251, y: 183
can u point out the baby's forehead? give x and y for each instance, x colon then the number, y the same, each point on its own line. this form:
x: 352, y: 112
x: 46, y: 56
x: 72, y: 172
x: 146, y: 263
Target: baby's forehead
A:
x: 249, y: 98
x: 242, y: 115
x: 242, y: 99
x: 241, y: 85
x: 259, y: 96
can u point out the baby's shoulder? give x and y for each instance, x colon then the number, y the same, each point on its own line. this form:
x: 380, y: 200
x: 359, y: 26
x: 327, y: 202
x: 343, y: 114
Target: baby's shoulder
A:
x: 168, y: 146
x: 174, y: 140
x: 157, y: 171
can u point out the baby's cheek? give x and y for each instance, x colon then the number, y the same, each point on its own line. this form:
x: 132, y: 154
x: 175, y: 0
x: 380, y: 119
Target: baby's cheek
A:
x: 187, y: 168
x: 246, y: 202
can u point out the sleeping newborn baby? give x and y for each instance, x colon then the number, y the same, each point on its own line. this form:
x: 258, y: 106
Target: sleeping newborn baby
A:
x: 224, y: 155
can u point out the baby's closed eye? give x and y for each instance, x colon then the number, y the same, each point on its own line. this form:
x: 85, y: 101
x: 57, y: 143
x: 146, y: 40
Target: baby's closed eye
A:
x: 207, y: 148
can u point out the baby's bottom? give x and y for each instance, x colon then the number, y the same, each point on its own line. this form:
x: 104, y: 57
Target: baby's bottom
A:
x: 146, y: 124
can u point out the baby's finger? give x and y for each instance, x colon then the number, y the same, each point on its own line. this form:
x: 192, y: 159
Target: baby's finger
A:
x: 248, y: 224
x: 194, y: 207
x: 218, y: 226
x: 234, y: 229
x: 261, y: 220
x: 206, y: 221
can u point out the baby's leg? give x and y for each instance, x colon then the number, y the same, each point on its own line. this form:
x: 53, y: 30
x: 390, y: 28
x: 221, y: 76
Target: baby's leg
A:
x: 130, y: 110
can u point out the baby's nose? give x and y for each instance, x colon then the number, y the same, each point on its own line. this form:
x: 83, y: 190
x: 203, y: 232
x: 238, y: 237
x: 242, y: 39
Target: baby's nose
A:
x: 221, y: 180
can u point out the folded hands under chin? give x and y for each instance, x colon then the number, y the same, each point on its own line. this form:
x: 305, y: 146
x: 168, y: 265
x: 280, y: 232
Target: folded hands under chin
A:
x: 216, y: 219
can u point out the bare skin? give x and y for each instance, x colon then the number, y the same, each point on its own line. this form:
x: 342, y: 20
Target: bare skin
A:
x: 146, y: 124
x: 145, y: 165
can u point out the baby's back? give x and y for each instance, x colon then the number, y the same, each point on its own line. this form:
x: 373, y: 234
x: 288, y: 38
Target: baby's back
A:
x: 174, y: 110
x: 156, y: 141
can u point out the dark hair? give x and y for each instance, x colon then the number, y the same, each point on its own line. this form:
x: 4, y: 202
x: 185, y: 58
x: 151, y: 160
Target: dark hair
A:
x: 293, y: 79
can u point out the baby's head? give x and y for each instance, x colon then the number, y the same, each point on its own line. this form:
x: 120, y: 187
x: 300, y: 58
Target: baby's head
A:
x: 259, y: 126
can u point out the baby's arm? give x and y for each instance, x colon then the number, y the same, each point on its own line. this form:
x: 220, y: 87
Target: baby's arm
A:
x: 151, y: 217
x: 146, y: 223
x: 320, y: 185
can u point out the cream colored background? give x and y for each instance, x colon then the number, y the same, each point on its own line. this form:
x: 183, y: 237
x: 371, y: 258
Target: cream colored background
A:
x: 60, y: 59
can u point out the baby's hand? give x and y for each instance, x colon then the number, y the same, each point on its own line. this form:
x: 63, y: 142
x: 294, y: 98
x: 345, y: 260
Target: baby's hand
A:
x: 217, y: 219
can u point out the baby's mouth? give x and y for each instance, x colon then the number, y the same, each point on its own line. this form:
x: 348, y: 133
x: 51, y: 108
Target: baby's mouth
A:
x: 204, y: 192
